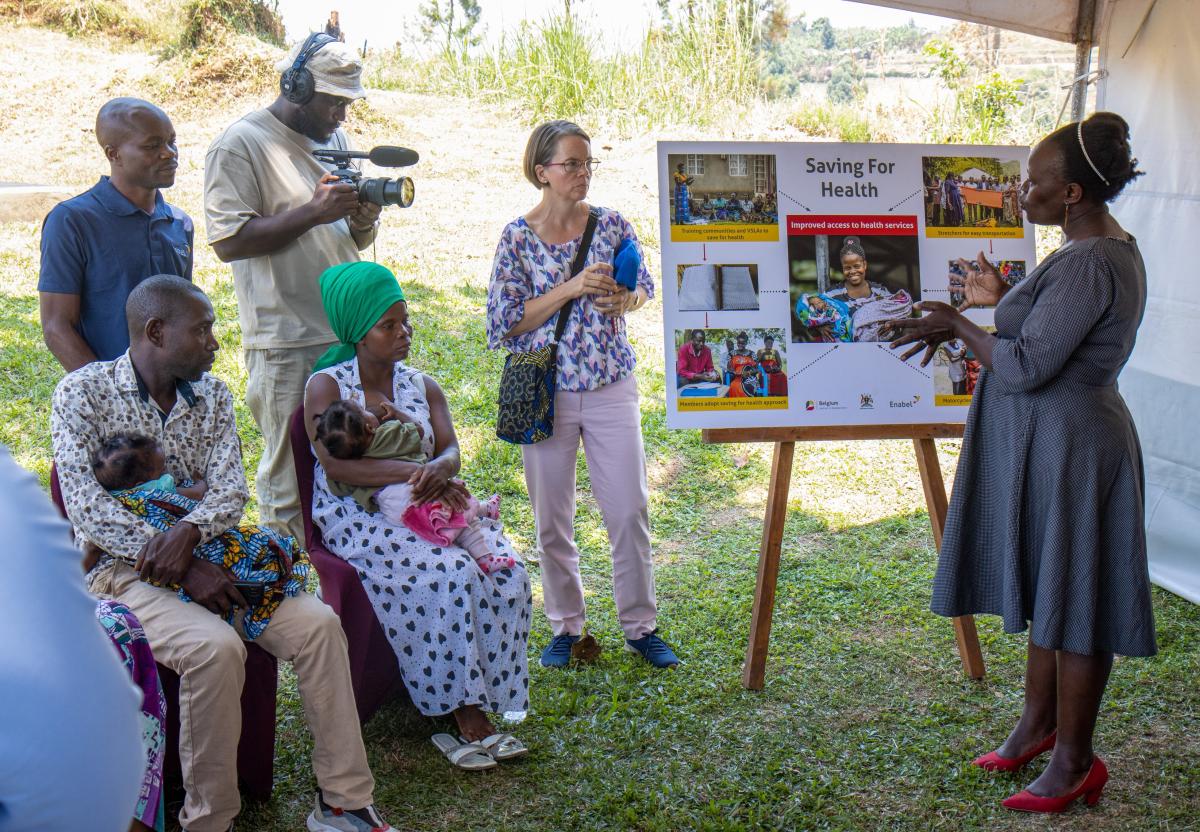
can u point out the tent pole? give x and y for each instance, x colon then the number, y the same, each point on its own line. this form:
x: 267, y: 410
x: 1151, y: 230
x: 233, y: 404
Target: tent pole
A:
x: 1083, y: 57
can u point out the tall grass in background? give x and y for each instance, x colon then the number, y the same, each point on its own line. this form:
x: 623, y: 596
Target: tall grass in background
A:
x: 132, y: 20
x: 713, y: 64
x: 690, y: 72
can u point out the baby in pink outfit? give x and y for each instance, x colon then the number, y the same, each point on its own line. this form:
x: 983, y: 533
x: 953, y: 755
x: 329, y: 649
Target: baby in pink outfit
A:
x: 350, y: 431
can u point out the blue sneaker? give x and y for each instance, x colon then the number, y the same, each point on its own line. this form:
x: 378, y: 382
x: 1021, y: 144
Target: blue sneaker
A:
x: 326, y: 818
x: 653, y: 649
x: 558, y: 651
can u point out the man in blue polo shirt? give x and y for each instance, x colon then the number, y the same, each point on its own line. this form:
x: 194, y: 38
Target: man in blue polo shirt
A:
x: 97, y: 246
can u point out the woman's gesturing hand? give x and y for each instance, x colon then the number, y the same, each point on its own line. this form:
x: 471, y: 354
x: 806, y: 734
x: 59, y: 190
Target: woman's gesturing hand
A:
x: 979, y: 282
x: 928, y: 331
x: 596, y: 279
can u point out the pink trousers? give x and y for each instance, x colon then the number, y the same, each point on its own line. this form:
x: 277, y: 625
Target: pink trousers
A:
x: 608, y: 421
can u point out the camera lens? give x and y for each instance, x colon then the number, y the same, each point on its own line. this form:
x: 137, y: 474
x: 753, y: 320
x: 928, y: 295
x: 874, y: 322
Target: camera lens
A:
x: 383, y: 191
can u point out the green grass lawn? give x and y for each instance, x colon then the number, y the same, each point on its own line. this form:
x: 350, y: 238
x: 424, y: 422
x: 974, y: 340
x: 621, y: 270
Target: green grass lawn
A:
x: 866, y: 721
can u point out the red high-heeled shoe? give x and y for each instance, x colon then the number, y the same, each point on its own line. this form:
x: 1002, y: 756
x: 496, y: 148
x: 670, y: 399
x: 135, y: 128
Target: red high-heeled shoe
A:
x: 1089, y: 789
x: 994, y: 762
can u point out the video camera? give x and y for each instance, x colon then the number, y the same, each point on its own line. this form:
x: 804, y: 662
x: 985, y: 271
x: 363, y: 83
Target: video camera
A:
x: 380, y: 190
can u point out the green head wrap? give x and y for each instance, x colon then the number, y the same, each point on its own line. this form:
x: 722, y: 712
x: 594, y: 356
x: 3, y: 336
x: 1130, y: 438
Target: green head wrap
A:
x: 355, y: 296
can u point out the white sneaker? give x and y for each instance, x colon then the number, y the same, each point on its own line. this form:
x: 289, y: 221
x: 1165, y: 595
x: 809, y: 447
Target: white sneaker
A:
x: 326, y: 818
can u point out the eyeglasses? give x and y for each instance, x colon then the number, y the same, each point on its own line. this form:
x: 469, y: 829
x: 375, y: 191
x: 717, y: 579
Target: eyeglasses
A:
x: 572, y: 166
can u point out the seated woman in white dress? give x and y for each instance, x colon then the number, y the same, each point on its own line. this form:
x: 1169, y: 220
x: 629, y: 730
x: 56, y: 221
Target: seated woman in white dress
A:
x: 460, y: 636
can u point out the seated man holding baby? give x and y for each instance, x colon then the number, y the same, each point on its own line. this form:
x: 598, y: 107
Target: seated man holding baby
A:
x: 150, y: 463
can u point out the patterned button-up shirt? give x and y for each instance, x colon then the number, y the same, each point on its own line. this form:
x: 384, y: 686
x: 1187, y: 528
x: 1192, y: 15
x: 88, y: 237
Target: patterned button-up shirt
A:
x: 198, y: 438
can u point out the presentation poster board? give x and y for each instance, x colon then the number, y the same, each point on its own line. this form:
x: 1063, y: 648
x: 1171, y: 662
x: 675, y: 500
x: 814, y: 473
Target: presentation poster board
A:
x: 783, y: 262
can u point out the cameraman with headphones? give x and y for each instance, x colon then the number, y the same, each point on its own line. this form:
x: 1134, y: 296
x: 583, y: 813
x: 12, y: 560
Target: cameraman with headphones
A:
x: 281, y: 219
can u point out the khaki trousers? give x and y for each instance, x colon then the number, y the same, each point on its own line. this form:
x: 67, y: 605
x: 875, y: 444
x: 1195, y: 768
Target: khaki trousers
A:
x: 274, y: 388
x: 608, y: 421
x: 210, y: 658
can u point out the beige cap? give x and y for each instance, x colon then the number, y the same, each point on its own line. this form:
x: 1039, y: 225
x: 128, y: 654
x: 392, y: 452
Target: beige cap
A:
x: 335, y: 67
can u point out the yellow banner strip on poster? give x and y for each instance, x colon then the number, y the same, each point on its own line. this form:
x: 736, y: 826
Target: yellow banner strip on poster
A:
x: 953, y: 401
x: 726, y: 232
x: 991, y: 232
x: 756, y: 403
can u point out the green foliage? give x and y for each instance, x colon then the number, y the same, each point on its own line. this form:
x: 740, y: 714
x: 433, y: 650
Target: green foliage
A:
x: 847, y: 82
x: 690, y: 71
x: 987, y: 108
x: 907, y: 38
x: 939, y: 166
x: 983, y: 110
x: 209, y: 21
x: 834, y: 121
x: 85, y: 17
x: 803, y: 56
x: 951, y: 67
x: 453, y: 20
x: 823, y: 30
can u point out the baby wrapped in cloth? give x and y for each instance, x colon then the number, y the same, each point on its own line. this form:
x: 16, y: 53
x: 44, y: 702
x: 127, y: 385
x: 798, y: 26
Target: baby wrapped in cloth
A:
x: 132, y: 468
x: 350, y: 431
x: 869, y: 318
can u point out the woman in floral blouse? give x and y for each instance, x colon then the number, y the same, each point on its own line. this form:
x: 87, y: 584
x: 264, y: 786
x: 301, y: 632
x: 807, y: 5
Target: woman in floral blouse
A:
x: 597, y: 399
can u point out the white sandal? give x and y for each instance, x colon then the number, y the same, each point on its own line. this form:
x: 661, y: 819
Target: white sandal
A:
x: 469, y: 756
x: 502, y: 747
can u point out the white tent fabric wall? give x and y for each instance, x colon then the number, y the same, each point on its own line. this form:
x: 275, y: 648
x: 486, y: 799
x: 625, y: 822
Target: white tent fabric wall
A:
x: 1152, y: 73
x: 1151, y: 51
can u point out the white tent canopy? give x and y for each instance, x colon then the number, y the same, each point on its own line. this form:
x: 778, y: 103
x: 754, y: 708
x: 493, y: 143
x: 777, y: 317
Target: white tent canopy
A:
x: 1051, y: 19
x: 1150, y: 60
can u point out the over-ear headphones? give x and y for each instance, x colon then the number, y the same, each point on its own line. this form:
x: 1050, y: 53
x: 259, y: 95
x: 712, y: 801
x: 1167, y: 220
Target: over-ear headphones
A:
x: 297, y: 84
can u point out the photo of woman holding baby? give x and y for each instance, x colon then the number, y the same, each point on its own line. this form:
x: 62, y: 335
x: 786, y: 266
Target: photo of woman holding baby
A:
x: 857, y: 309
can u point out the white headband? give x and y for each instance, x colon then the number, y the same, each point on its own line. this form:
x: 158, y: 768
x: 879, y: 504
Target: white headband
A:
x: 1087, y: 158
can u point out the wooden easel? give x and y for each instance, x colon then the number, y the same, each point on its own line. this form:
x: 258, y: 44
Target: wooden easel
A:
x: 785, y: 439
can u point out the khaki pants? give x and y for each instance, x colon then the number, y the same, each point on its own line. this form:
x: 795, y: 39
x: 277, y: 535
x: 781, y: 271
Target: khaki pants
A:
x: 210, y: 658
x: 275, y: 388
x: 608, y: 421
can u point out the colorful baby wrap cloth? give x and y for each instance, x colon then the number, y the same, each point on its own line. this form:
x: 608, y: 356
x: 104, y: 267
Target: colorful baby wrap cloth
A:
x: 250, y: 553
x: 836, y: 315
x: 871, y: 317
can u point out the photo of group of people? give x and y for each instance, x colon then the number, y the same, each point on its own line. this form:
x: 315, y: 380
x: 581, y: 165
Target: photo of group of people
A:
x: 845, y: 289
x: 730, y: 364
x: 971, y: 192
x: 733, y: 188
x: 712, y: 287
x: 1011, y: 272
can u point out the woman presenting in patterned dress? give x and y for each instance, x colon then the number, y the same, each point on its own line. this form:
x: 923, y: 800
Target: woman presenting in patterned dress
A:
x: 1046, y: 523
x: 460, y: 636
x: 597, y: 398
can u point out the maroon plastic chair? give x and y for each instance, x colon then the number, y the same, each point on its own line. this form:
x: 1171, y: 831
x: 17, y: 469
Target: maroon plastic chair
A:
x: 256, y: 746
x: 374, y: 671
